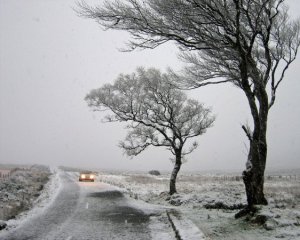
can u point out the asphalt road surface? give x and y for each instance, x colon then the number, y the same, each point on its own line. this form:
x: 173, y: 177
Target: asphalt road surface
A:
x: 88, y: 211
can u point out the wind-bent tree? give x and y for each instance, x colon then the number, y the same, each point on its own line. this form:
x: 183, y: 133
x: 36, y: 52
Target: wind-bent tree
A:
x: 158, y: 114
x: 250, y: 43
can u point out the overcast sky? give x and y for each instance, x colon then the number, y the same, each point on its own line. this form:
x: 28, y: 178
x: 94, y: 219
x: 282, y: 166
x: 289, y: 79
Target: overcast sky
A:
x: 50, y: 59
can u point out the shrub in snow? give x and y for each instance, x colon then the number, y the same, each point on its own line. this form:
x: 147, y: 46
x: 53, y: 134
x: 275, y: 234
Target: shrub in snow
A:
x: 154, y: 172
x: 270, y: 225
x: 2, y: 225
x: 260, y: 219
x: 221, y: 205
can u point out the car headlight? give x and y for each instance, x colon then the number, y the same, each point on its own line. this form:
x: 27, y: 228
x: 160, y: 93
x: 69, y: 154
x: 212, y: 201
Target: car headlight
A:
x: 92, y: 176
x: 82, y: 176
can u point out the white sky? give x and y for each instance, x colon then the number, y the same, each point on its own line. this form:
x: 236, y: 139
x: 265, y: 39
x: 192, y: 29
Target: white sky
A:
x: 50, y: 59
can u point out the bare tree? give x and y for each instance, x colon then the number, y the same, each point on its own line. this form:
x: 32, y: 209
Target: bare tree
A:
x: 245, y: 42
x: 159, y: 114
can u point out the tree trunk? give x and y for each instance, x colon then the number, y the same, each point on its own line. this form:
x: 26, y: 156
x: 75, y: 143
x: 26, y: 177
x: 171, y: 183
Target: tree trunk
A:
x: 253, y: 176
x: 175, y: 172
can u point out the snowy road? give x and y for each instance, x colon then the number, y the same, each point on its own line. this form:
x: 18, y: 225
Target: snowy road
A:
x: 84, y: 210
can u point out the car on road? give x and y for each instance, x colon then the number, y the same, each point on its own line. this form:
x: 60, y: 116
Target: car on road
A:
x: 86, y: 176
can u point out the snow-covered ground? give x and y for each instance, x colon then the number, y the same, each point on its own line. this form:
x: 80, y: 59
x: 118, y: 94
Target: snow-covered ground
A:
x: 19, y: 189
x: 211, y: 201
x: 26, y: 193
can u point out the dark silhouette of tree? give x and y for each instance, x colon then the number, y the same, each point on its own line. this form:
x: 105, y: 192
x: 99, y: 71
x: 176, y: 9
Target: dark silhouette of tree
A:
x: 245, y: 42
x: 159, y: 114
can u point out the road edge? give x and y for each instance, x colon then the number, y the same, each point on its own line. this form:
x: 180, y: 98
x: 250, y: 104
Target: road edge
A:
x: 183, y: 227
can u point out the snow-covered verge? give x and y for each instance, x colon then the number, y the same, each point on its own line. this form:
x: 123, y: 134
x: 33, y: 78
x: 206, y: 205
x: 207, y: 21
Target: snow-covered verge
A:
x: 211, y: 201
x: 18, y: 191
x: 25, y: 192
